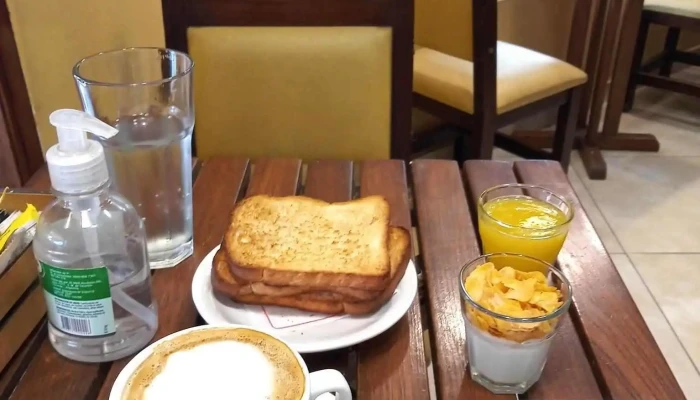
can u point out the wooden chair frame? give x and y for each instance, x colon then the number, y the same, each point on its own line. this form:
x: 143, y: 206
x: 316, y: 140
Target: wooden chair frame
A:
x: 484, y: 123
x: 642, y: 73
x: 178, y: 15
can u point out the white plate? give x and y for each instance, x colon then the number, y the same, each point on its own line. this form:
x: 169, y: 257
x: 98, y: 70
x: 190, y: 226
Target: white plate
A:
x: 305, y: 332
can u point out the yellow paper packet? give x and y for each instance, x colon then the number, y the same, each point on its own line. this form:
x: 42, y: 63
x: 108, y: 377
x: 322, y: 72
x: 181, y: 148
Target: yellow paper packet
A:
x: 30, y: 214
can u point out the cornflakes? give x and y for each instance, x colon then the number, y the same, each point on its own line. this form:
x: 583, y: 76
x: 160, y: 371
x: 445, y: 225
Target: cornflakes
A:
x: 512, y: 293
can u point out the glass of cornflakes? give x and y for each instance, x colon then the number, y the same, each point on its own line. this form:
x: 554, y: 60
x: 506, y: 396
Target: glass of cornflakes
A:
x: 511, y: 317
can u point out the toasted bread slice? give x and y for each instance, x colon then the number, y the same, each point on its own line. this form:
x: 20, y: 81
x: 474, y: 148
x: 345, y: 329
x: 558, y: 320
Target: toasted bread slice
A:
x: 350, y: 294
x: 299, y: 302
x: 234, y: 283
x: 299, y: 241
x: 399, y: 253
x: 225, y: 283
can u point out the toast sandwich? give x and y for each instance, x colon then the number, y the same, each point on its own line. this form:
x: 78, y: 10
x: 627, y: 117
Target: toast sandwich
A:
x: 300, y: 241
x: 326, y: 300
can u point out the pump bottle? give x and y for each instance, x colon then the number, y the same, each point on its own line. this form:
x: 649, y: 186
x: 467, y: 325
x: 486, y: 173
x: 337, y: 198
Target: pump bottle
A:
x: 90, y: 245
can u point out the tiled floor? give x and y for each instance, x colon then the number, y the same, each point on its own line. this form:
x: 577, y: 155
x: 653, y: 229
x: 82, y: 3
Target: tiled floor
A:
x: 647, y: 213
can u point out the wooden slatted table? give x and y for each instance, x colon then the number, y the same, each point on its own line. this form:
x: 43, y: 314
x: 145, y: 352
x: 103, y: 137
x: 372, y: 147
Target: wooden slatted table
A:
x: 604, y: 349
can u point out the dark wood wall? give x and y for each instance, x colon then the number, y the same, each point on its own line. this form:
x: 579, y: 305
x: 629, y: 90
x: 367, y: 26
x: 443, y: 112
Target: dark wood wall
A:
x: 20, y: 151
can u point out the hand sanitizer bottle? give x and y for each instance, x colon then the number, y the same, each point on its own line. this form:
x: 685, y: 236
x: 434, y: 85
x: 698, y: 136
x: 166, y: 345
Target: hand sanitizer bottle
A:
x: 90, y: 245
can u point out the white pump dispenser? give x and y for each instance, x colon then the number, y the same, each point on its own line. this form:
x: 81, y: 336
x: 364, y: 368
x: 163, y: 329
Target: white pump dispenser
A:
x: 77, y: 164
x: 90, y: 244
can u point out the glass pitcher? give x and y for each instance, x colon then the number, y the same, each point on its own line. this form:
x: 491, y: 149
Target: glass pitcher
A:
x: 146, y: 93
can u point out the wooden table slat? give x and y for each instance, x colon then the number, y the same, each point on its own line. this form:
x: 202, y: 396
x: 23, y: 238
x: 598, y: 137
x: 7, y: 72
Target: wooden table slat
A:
x: 330, y: 181
x: 618, y: 342
x: 51, y: 376
x: 274, y: 177
x: 567, y: 373
x: 392, y: 365
x: 171, y: 287
x: 480, y: 175
x: 448, y: 241
x: 388, y: 179
x: 13, y: 371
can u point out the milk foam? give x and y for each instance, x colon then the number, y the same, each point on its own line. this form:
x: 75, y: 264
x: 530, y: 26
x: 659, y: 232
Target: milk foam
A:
x: 231, y: 368
x: 218, y: 363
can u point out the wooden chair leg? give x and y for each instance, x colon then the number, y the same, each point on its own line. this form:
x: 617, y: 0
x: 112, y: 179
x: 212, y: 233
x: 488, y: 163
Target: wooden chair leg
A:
x: 458, y: 151
x: 636, y: 63
x: 479, y: 145
x: 670, y: 47
x: 565, y: 132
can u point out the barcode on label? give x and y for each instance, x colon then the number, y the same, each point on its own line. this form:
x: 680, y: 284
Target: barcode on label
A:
x: 75, y: 325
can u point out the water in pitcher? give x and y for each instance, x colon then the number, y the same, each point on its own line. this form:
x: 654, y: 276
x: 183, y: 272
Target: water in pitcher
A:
x: 150, y: 163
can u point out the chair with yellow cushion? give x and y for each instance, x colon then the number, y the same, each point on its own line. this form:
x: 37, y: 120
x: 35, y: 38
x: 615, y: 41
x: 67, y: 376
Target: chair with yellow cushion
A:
x: 465, y: 76
x: 676, y: 15
x: 298, y: 78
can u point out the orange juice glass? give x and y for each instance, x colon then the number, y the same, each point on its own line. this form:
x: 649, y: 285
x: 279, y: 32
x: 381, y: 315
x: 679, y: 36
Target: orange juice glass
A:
x: 524, y: 219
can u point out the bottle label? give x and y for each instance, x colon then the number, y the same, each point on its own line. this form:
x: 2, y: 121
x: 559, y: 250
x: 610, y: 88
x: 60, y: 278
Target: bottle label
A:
x: 78, y: 301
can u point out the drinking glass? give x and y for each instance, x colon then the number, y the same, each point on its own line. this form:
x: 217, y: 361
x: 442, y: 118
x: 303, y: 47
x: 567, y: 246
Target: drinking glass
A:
x: 505, y: 354
x: 146, y: 93
x: 538, y: 240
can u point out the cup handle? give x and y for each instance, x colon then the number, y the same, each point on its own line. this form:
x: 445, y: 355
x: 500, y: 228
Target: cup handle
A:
x: 327, y: 381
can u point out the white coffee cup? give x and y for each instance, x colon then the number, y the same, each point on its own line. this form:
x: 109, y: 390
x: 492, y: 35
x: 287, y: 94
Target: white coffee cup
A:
x: 230, y: 360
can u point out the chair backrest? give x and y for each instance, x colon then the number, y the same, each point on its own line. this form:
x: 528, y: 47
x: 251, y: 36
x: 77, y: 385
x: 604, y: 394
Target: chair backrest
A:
x: 445, y: 26
x: 449, y: 26
x: 468, y: 29
x: 303, y: 78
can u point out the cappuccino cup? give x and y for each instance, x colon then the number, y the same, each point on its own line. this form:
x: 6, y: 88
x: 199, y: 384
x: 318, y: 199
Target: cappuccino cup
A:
x: 223, y: 362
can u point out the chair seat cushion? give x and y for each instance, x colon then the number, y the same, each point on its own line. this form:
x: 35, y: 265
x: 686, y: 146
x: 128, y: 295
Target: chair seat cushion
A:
x: 524, y: 76
x: 685, y: 8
